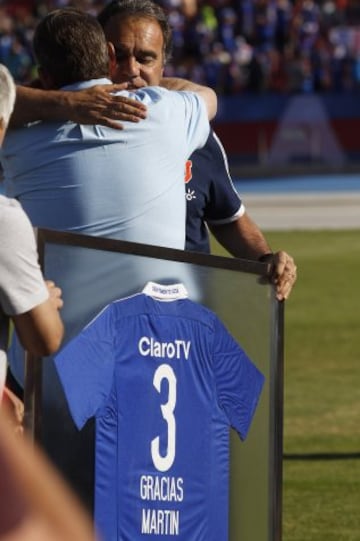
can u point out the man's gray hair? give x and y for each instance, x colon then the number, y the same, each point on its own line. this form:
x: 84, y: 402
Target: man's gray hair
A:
x: 7, y: 94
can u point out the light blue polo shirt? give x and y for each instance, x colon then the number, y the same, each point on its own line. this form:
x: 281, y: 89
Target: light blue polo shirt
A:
x: 100, y: 181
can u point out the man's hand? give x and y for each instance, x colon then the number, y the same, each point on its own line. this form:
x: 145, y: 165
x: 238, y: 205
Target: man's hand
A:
x: 54, y: 294
x: 283, y: 273
x: 99, y: 105
x: 95, y: 105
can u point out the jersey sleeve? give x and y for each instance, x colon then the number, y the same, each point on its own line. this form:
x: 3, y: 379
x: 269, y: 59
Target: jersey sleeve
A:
x: 85, y: 367
x: 224, y: 204
x: 238, y: 381
x: 22, y: 285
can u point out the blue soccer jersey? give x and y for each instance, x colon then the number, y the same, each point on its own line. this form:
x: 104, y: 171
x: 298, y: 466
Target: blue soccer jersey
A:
x: 165, y: 380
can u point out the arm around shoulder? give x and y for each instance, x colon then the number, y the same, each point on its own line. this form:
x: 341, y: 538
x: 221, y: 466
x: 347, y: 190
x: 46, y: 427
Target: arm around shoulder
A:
x: 34, y: 104
x: 207, y: 93
x: 98, y: 104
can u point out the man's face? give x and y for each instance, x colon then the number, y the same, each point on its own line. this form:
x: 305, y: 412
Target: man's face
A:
x: 139, y: 47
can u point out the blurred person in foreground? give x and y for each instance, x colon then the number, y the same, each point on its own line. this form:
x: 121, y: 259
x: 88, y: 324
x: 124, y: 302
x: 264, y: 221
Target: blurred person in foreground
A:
x: 141, y: 35
x: 120, y: 184
x: 35, y: 504
x: 31, y: 303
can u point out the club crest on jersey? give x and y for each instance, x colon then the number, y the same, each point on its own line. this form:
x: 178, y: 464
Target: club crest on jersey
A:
x: 188, y: 171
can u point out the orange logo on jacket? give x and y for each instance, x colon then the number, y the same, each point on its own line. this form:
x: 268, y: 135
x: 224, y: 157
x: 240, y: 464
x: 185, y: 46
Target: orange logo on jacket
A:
x: 188, y: 171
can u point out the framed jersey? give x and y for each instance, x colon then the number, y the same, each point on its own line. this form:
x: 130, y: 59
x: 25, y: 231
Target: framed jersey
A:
x: 165, y: 381
x: 168, y: 418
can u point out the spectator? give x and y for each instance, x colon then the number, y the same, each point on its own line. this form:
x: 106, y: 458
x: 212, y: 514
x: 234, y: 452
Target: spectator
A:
x: 268, y: 28
x: 35, y: 505
x: 279, y: 31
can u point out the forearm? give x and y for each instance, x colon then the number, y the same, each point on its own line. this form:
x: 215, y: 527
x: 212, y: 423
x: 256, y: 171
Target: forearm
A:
x: 244, y: 239
x: 37, y: 104
x: 176, y: 83
x: 40, y: 330
x: 241, y: 238
x: 99, y: 104
x: 207, y: 93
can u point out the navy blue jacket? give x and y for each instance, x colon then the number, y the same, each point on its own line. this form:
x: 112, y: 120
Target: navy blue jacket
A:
x: 210, y: 194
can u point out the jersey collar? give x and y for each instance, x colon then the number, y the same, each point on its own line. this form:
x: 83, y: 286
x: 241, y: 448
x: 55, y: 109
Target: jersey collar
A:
x: 166, y: 292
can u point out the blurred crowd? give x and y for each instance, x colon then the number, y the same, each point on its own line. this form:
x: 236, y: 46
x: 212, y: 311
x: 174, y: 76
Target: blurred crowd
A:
x: 234, y: 46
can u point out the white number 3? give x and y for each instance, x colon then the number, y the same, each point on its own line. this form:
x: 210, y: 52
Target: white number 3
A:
x: 163, y: 463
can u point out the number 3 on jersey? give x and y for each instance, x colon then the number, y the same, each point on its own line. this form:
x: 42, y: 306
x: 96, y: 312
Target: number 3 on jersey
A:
x: 164, y: 463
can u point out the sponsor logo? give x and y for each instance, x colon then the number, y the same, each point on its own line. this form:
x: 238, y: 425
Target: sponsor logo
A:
x: 165, y: 350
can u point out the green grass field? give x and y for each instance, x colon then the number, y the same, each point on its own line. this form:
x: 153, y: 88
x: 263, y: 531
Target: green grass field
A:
x: 321, y: 498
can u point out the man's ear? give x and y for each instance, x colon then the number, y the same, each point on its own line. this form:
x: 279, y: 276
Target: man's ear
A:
x: 112, y: 59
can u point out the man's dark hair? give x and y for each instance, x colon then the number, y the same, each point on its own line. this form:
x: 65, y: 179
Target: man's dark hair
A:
x: 140, y: 9
x: 70, y: 46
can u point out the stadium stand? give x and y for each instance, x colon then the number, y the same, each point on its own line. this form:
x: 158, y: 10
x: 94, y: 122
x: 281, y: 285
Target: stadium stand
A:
x: 234, y: 46
x: 259, y: 56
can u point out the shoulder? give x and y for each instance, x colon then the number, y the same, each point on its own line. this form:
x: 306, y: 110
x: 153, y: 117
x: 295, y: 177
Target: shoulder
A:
x: 7, y: 203
x: 155, y: 94
x: 213, y: 156
x: 10, y: 211
x: 197, y: 312
x: 216, y: 146
x: 213, y: 148
x: 14, y: 222
x: 149, y: 94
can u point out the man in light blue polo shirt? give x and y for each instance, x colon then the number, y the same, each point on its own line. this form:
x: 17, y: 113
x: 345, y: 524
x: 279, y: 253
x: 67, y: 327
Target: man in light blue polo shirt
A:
x: 124, y: 184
